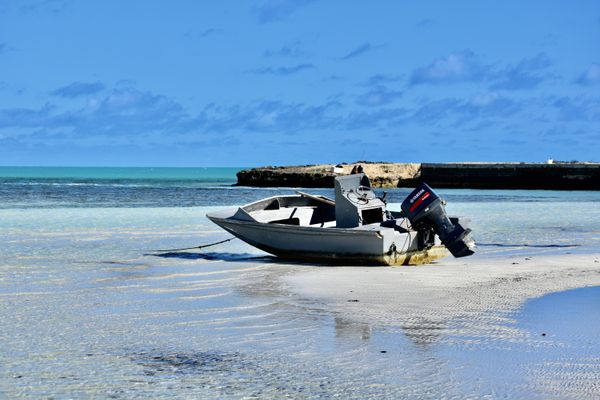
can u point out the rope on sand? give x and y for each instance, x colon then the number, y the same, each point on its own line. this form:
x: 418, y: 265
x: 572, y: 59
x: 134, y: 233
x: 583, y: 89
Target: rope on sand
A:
x: 196, y: 247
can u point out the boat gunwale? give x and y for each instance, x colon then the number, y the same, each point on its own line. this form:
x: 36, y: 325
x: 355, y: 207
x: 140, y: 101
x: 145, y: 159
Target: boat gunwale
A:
x: 301, y: 228
x: 266, y: 199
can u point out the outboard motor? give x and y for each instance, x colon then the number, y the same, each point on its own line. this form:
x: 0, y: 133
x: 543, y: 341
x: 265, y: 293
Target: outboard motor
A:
x: 424, y: 208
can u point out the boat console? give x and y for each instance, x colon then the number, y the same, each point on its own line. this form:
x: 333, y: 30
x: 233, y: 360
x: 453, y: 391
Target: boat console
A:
x: 356, y: 203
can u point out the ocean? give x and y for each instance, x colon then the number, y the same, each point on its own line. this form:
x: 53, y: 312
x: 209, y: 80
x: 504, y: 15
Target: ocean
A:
x: 501, y: 219
x: 89, y: 309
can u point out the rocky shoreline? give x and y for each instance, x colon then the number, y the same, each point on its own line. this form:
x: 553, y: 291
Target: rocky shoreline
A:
x: 557, y: 176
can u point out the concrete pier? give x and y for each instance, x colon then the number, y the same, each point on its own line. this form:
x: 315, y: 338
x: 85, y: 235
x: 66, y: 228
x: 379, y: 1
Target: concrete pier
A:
x: 511, y: 176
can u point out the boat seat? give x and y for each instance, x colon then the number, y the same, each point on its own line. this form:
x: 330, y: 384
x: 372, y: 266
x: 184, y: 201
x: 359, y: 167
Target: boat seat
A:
x: 287, y: 221
x: 273, y: 205
x: 285, y: 215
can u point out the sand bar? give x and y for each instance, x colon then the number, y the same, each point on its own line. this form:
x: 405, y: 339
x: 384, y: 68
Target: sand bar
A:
x: 432, y: 295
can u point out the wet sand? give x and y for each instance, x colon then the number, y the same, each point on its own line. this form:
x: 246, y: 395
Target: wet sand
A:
x: 447, y: 289
x: 475, y: 317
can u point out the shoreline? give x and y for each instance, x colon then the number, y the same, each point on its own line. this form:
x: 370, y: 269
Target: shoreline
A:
x: 555, y: 176
x: 474, y: 320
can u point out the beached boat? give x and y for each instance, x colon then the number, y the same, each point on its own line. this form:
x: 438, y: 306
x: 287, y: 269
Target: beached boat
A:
x: 354, y: 228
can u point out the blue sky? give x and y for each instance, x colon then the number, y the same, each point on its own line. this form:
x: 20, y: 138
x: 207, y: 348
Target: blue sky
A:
x: 189, y: 83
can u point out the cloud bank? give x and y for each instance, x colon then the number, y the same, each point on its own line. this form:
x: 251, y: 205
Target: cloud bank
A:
x: 77, y: 89
x: 284, y: 71
x: 358, y: 51
x: 591, y: 76
x: 276, y: 10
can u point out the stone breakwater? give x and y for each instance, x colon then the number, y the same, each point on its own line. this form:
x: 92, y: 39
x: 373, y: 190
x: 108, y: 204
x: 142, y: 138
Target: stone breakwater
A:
x: 559, y: 176
x: 321, y: 176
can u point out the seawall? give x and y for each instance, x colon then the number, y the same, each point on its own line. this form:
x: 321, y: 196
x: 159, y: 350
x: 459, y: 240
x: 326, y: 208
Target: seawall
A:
x: 559, y: 176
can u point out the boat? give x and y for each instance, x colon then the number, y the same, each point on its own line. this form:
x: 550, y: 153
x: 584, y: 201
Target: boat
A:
x: 354, y: 228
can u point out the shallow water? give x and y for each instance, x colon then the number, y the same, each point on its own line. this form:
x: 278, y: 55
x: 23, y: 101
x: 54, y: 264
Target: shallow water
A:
x: 88, y: 310
x: 555, y: 353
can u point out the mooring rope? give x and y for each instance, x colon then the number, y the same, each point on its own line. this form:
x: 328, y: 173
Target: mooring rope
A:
x: 196, y: 247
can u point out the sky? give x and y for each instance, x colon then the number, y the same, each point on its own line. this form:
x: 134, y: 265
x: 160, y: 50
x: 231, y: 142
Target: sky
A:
x: 279, y: 82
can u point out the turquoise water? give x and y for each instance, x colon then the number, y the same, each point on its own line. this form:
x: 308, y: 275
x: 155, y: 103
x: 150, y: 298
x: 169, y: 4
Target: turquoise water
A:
x: 68, y: 187
x: 88, y: 311
x: 206, y: 174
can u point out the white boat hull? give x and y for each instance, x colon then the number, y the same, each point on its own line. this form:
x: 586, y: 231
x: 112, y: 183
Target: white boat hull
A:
x: 334, y: 245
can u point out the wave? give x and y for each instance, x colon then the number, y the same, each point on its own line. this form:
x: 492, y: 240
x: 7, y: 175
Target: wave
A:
x: 167, y: 184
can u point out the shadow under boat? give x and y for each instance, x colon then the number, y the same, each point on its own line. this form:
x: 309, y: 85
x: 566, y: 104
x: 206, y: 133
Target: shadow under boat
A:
x: 216, y: 256
x: 253, y: 258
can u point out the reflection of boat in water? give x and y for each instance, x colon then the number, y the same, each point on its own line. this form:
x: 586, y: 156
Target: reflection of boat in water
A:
x: 356, y: 228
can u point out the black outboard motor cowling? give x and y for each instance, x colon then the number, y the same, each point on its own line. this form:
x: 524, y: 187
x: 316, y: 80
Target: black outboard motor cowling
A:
x: 424, y: 208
